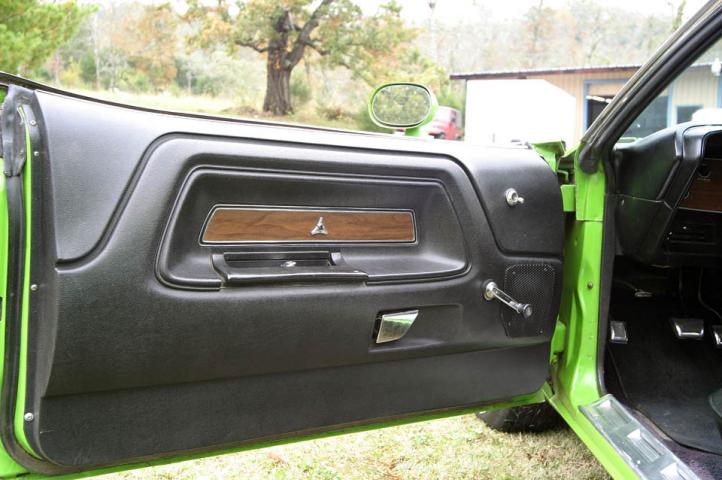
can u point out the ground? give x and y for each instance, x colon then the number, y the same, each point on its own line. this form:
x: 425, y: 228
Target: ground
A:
x: 453, y: 448
x: 306, y: 115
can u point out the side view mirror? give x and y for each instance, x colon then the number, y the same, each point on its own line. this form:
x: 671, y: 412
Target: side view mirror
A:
x: 403, y: 105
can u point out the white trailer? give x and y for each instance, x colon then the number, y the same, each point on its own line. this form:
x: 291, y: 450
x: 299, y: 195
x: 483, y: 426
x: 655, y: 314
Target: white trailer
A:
x: 513, y: 111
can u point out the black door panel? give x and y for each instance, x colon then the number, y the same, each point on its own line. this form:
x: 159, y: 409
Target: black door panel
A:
x: 144, y: 343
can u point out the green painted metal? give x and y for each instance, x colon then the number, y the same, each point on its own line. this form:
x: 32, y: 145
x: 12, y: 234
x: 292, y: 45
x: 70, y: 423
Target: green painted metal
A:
x: 574, y: 368
x: 8, y: 467
x: 550, y: 151
x: 569, y: 198
x: 19, y: 422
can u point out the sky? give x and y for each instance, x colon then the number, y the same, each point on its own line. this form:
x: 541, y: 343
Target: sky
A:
x: 455, y: 11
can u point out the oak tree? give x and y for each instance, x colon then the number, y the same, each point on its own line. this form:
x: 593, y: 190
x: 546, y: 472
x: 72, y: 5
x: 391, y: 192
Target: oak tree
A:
x: 288, y: 31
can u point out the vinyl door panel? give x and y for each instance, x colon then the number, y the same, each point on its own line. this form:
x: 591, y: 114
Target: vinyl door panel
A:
x: 144, y: 342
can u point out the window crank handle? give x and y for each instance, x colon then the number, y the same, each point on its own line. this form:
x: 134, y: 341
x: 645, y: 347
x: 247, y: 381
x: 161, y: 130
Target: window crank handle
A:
x: 492, y: 291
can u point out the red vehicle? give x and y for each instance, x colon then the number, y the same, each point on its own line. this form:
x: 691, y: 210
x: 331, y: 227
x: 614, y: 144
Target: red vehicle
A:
x: 445, y: 125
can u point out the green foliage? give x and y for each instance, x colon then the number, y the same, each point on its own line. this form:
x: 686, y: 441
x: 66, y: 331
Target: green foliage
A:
x: 364, y: 122
x: 72, y: 75
x: 150, y: 49
x: 31, y: 30
x: 300, y: 90
x: 87, y: 67
x: 452, y: 96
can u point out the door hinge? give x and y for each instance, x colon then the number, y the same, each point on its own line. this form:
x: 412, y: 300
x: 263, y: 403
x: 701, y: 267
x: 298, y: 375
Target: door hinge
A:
x: 19, y: 127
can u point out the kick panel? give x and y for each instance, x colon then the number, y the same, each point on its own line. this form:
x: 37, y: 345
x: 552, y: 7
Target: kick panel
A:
x: 159, y: 329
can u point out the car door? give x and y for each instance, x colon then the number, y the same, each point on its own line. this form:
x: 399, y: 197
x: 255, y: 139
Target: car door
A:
x: 180, y: 284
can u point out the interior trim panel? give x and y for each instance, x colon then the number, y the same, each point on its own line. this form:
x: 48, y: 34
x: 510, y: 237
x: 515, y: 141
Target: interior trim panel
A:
x: 145, y: 342
x: 233, y: 224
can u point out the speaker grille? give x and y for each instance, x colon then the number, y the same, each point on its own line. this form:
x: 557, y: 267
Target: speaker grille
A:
x: 531, y: 283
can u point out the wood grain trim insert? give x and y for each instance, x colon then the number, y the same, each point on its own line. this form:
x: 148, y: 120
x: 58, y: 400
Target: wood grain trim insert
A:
x: 705, y: 193
x: 230, y: 224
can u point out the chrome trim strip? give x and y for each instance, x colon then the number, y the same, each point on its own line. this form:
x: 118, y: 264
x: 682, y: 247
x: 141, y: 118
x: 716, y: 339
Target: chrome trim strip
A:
x: 648, y: 457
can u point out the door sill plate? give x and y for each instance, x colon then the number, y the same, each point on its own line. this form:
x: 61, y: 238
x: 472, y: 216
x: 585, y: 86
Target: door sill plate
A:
x: 643, y: 452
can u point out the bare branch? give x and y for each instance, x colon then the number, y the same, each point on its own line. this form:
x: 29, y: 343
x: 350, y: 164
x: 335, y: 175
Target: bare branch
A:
x: 317, y: 48
x: 304, y: 36
x: 257, y: 47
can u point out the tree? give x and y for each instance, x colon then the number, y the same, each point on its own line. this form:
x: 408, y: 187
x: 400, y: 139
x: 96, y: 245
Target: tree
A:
x: 537, y: 26
x: 286, y: 31
x: 31, y: 30
x: 678, y: 13
x: 150, y: 50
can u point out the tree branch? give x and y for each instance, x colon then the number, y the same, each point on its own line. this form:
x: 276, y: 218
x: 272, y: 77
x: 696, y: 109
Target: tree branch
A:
x: 304, y: 36
x: 317, y: 48
x: 257, y: 47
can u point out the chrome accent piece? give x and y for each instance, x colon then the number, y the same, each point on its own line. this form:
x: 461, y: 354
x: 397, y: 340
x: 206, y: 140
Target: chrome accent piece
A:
x: 320, y: 228
x: 512, y: 197
x: 717, y: 335
x: 688, y: 328
x: 492, y: 291
x: 635, y: 444
x: 395, y: 325
x: 618, y: 332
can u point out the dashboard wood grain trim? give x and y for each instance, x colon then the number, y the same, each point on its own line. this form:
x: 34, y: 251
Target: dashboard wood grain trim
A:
x: 705, y: 192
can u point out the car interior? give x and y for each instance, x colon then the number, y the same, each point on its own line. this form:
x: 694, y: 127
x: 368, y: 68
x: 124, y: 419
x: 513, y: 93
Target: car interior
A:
x: 663, y: 357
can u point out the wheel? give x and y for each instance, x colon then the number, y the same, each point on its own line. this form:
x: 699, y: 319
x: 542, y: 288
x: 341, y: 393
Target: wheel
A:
x: 539, y: 417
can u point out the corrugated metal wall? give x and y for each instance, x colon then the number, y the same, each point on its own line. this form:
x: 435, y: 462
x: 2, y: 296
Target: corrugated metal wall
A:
x: 695, y: 87
x: 607, y: 83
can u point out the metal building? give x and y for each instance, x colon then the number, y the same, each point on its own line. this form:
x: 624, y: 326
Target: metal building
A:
x: 541, y: 104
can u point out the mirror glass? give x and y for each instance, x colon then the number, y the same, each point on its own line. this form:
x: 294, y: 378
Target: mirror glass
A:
x: 401, y: 105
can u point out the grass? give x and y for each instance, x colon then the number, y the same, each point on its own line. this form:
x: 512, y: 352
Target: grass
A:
x: 305, y: 115
x: 453, y: 448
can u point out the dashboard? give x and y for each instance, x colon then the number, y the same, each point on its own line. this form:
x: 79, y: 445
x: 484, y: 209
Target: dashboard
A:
x: 669, y: 188
x: 705, y: 192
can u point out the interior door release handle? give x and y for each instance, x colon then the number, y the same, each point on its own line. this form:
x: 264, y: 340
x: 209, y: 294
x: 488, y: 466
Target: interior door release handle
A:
x: 492, y: 291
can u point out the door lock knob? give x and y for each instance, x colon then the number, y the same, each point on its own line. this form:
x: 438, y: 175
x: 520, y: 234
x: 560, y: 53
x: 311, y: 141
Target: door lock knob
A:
x: 512, y: 197
x: 492, y: 291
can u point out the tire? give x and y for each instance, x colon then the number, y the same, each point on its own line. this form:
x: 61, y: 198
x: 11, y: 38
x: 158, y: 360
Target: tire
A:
x: 536, y: 418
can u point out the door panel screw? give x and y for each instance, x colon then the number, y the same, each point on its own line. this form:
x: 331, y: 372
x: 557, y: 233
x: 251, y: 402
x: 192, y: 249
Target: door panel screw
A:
x: 28, y: 417
x: 590, y: 285
x: 34, y: 287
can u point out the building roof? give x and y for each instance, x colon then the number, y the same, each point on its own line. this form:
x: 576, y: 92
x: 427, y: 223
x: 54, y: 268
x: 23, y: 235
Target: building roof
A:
x: 542, y: 71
